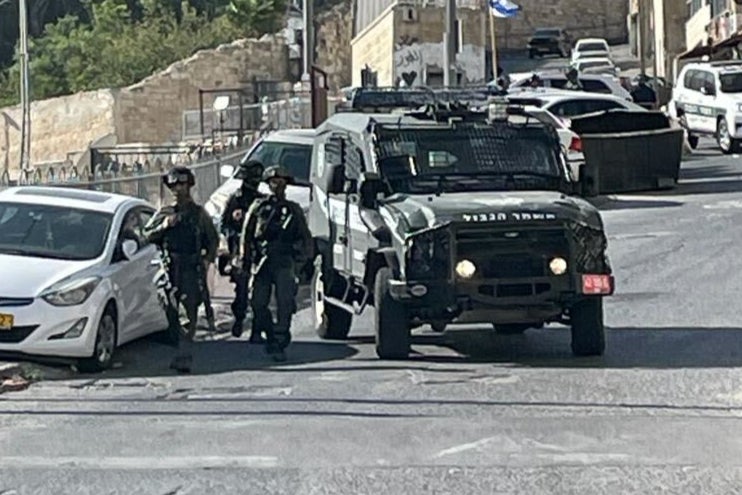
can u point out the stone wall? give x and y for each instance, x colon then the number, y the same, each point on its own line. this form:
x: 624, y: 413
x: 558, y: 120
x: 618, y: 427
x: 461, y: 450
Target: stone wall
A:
x: 152, y: 110
x: 59, y: 126
x: 333, y: 34
x: 582, y: 18
x: 374, y: 48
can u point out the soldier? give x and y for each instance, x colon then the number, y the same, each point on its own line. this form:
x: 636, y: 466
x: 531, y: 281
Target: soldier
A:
x: 276, y: 244
x: 188, y: 240
x: 231, y: 226
x: 573, y: 80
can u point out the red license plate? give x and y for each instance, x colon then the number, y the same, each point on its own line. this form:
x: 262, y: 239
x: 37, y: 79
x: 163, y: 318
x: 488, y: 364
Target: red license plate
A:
x: 597, y: 284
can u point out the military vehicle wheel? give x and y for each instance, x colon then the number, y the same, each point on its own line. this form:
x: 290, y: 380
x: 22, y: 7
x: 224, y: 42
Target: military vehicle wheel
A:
x: 330, y: 321
x: 391, y: 321
x: 511, y: 328
x: 588, y: 331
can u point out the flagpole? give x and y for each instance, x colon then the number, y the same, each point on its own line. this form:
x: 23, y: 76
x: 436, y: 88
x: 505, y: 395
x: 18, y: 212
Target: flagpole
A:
x: 493, y: 42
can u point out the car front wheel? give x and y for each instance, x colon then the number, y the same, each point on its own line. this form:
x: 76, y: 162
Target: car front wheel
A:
x: 391, y: 321
x: 105, y: 345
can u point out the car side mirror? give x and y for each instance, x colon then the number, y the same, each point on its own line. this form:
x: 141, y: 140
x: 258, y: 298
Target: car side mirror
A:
x: 226, y: 171
x: 336, y: 179
x: 371, y: 187
x: 129, y: 248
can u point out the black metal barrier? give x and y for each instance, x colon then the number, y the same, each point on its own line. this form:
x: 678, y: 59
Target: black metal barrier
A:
x: 628, y: 151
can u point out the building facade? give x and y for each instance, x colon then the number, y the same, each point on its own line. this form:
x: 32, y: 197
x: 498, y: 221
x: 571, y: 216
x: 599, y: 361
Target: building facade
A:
x: 403, y: 46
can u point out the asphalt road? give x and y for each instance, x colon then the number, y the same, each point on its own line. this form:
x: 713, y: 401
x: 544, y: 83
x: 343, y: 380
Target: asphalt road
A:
x: 470, y: 412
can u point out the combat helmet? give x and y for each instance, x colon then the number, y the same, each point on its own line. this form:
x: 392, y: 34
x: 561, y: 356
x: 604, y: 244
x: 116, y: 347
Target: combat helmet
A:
x: 277, y: 171
x: 179, y: 174
x: 250, y: 171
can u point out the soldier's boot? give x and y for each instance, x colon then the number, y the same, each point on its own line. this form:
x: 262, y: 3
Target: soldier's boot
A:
x: 256, y: 337
x: 237, y: 327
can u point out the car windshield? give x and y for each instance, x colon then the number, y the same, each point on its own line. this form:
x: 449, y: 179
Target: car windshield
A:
x: 591, y: 47
x: 468, y: 157
x: 546, y: 33
x: 731, y: 83
x: 297, y: 158
x: 52, y: 231
x: 595, y: 64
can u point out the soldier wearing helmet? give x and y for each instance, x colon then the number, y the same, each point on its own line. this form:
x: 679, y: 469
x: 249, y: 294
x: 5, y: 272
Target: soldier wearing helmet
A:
x: 573, y: 80
x: 276, y: 245
x: 251, y: 173
x: 188, y: 240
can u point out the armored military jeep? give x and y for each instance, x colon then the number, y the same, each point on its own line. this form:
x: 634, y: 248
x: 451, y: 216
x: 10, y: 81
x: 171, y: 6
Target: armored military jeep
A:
x: 452, y: 216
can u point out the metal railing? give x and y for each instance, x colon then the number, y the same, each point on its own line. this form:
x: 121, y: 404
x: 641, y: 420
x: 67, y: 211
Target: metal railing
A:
x: 142, y: 179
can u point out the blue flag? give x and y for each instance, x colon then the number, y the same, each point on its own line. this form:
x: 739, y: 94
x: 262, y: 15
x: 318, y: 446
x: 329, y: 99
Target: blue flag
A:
x: 504, y: 8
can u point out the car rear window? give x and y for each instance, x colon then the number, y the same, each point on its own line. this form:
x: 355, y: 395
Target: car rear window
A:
x: 589, y: 47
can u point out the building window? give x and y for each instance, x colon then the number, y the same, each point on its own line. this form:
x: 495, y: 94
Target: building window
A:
x: 694, y: 6
x: 718, y: 7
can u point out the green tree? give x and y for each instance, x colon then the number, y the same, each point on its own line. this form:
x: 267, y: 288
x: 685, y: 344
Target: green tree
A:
x: 257, y: 17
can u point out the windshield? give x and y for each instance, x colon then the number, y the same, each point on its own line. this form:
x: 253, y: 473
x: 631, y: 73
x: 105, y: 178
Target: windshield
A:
x: 592, y: 47
x: 52, y: 231
x: 595, y: 65
x: 546, y: 33
x: 468, y: 157
x: 296, y: 158
x: 731, y: 83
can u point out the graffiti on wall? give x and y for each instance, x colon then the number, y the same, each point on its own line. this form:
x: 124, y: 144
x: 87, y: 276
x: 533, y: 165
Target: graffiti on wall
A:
x: 415, y: 63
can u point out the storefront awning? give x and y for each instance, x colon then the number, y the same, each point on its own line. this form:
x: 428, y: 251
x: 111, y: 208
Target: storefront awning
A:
x: 697, y: 52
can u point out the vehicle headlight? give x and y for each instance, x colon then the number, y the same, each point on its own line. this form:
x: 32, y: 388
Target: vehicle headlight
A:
x: 465, y: 269
x: 558, y: 266
x: 71, y: 293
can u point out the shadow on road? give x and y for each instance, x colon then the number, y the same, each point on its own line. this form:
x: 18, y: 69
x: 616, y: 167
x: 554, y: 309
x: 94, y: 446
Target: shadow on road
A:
x: 655, y: 347
x: 609, y: 204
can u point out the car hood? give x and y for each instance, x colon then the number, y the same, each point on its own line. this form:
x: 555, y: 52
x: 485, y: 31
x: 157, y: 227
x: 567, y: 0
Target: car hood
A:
x: 25, y: 276
x: 411, y: 213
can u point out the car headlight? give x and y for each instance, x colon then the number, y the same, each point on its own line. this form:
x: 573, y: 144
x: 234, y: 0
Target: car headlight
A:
x: 71, y: 293
x: 465, y: 269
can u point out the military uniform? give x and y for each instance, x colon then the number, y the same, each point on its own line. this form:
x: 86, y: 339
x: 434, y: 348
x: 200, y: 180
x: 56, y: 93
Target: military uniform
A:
x: 240, y: 201
x: 188, y: 239
x: 276, y: 245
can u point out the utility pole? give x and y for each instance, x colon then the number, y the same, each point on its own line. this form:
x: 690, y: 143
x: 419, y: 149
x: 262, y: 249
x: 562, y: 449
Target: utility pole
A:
x: 449, y: 45
x: 25, y: 93
x: 643, y: 39
x: 308, y: 11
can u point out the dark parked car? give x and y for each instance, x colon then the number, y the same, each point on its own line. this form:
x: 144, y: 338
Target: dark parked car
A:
x: 548, y: 41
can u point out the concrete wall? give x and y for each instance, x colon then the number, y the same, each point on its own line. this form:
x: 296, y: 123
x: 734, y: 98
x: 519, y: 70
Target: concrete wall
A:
x: 59, y: 126
x: 670, y: 36
x: 374, y: 47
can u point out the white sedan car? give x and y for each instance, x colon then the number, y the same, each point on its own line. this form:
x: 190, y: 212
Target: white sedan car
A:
x: 77, y: 275
x: 590, y: 48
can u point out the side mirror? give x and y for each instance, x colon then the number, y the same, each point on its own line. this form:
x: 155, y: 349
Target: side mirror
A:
x: 226, y: 171
x: 336, y: 179
x: 371, y: 187
x: 129, y: 248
